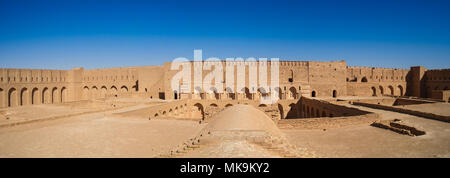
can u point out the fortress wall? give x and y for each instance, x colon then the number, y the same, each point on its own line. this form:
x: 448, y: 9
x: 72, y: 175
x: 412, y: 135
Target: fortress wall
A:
x: 435, y: 83
x: 371, y: 81
x: 326, y: 77
x: 296, y: 78
x: 32, y: 86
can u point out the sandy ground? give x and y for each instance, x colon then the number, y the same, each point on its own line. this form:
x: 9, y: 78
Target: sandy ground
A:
x: 94, y: 135
x: 368, y: 141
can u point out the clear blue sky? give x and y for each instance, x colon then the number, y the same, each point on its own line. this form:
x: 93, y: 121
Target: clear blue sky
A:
x: 62, y: 34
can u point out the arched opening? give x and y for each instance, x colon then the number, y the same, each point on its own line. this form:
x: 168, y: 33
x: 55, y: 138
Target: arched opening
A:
x: 63, y: 94
x: 280, y: 108
x: 124, y: 89
x: 2, y: 98
x: 198, y: 111
x: 94, y: 92
x: 175, y: 95
x: 228, y: 105
x: 34, y: 96
x: 54, y: 95
x: 213, y: 105
x: 374, y: 91
x: 293, y: 93
x: 364, y: 79
x: 45, y: 96
x: 24, y: 96
x: 313, y: 93
x: 12, y: 97
x: 85, y: 95
x: 400, y: 88
x: 230, y: 93
x: 334, y: 93
x: 263, y: 93
x: 262, y: 105
x: 114, y: 91
x: 214, y: 94
x: 381, y: 90
x: 391, y: 90
x: 103, y: 91
x: 293, y: 111
x: 247, y: 93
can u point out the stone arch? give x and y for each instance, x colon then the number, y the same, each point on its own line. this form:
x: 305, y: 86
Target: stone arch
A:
x: 94, y: 92
x: 280, y: 108
x: 262, y: 105
x: 124, y: 89
x: 381, y: 90
x: 263, y: 93
x: 213, y: 105
x: 364, y: 79
x: 391, y: 90
x: 334, y: 93
x: 12, y: 97
x: 2, y: 98
x: 374, y: 91
x: 400, y: 88
x: 175, y: 94
x: 293, y: 93
x: 103, y: 91
x: 63, y: 97
x: 228, y: 105
x: 199, y: 110
x: 214, y: 94
x: 230, y: 93
x: 54, y: 95
x: 45, y: 96
x: 170, y: 112
x: 114, y: 90
x: 247, y: 93
x: 34, y: 96
x: 24, y: 97
x: 313, y: 93
x: 85, y: 94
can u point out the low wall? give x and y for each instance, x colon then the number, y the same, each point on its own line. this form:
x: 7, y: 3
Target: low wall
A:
x: 327, y: 122
x: 405, y: 111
